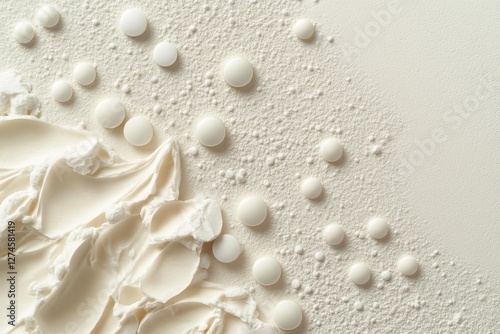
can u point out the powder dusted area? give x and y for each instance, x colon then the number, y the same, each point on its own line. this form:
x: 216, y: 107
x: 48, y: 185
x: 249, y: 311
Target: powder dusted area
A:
x: 301, y: 92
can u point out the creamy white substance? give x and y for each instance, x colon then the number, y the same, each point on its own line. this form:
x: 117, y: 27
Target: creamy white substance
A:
x: 105, y: 245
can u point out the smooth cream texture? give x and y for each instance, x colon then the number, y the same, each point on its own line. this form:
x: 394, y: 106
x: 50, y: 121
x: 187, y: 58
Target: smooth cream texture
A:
x: 105, y: 245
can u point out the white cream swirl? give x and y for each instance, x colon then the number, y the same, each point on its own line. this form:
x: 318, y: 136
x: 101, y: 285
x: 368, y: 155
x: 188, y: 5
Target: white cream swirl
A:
x: 105, y: 245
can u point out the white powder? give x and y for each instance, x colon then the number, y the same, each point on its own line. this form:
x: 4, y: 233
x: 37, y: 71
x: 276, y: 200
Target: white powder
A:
x: 15, y: 96
x: 302, y: 93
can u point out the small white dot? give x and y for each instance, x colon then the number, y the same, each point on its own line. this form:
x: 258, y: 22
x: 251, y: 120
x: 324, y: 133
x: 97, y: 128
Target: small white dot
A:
x: 84, y: 74
x: 319, y: 256
x: 296, y: 284
x: 333, y: 234
x: 407, y: 265
x: 109, y: 113
x: 378, y: 228
x: 331, y: 149
x: 252, y: 211
x: 62, y: 91
x: 358, y: 306
x: 238, y: 72
x: 47, y: 16
x: 138, y: 131
x: 210, y: 131
x: 23, y: 32
x: 386, y: 275
x: 287, y: 315
x: 359, y: 273
x: 311, y: 187
x: 165, y: 54
x: 133, y: 22
x: 303, y: 29
x: 267, y: 270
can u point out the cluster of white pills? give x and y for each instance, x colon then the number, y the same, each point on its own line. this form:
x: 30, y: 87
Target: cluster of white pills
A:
x: 360, y: 273
x: 84, y: 74
x: 238, y: 72
x: 47, y: 16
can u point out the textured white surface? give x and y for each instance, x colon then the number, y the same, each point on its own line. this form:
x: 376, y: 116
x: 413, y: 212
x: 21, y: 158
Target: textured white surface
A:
x: 301, y: 93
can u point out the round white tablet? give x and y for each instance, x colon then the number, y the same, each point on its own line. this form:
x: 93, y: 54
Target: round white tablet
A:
x: 109, y: 113
x: 377, y: 228
x: 311, y: 188
x: 287, y: 315
x: 210, y: 131
x: 407, y: 265
x: 138, y: 131
x: 333, y: 234
x: 226, y: 248
x: 84, y: 74
x: 238, y: 72
x: 359, y: 273
x: 62, y: 91
x: 303, y: 29
x: 165, y: 54
x: 23, y: 32
x: 133, y: 22
x: 330, y: 149
x: 266, y: 270
x: 252, y: 211
x: 47, y: 16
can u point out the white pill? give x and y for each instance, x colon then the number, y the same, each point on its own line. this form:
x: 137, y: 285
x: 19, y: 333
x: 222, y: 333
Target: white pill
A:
x: 407, y: 265
x: 252, y: 211
x: 330, y: 149
x: 84, y: 74
x: 226, y: 248
x: 210, y: 131
x: 377, y: 228
x: 266, y: 270
x: 165, y: 54
x: 138, y: 131
x: 47, y: 16
x: 303, y: 29
x: 109, y: 113
x: 311, y: 188
x: 238, y: 72
x: 287, y: 315
x: 359, y: 273
x: 133, y: 22
x: 333, y: 234
x: 23, y: 32
x: 62, y: 91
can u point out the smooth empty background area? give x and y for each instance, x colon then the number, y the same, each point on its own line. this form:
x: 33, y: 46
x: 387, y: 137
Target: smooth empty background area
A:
x: 437, y: 63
